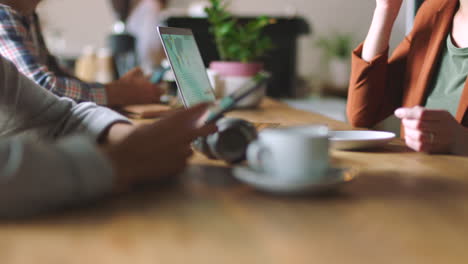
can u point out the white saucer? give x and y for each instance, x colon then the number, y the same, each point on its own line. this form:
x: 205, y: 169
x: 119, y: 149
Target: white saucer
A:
x: 348, y: 140
x: 264, y: 182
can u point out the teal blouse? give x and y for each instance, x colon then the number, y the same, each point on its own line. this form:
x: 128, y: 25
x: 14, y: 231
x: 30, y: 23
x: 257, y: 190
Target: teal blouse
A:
x: 450, y: 79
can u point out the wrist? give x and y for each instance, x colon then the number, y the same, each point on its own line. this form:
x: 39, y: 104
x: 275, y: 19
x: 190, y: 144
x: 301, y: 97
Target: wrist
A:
x: 115, y: 133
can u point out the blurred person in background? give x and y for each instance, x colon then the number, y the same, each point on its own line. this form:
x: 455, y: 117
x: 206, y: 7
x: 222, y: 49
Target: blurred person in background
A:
x: 426, y: 75
x: 21, y: 41
x: 145, y: 16
x: 79, y: 152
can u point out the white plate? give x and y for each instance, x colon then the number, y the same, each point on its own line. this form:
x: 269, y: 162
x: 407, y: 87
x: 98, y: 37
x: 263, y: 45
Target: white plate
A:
x: 264, y: 182
x: 348, y: 140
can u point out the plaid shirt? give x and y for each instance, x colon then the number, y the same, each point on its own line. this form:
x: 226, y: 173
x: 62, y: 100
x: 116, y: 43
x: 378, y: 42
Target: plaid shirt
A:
x: 21, y: 42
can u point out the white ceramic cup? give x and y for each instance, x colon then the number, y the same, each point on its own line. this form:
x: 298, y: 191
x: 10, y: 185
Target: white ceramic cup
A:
x: 215, y: 81
x: 232, y: 83
x: 297, y: 153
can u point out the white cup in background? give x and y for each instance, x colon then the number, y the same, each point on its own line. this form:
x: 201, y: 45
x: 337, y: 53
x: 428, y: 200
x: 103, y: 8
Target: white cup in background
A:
x: 216, y: 83
x: 233, y: 76
x: 233, y: 83
x: 291, y: 154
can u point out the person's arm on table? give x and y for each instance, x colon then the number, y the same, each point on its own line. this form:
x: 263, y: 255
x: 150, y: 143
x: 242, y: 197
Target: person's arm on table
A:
x: 375, y: 89
x: 36, y: 178
x: 18, y: 47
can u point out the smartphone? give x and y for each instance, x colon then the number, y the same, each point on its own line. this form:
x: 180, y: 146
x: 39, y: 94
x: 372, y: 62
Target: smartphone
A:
x: 229, y: 102
x: 158, y: 75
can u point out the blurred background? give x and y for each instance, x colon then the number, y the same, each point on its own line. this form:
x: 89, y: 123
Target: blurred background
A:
x: 70, y: 25
x: 65, y: 18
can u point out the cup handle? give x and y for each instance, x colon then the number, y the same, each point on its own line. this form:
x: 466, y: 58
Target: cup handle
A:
x: 257, y: 154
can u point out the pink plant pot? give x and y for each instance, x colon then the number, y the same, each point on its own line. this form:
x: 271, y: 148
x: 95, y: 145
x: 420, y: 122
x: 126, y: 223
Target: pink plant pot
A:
x: 233, y: 75
x: 236, y: 69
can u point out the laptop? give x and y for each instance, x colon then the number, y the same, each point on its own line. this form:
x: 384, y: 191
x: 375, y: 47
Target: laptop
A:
x: 191, y: 76
x: 187, y: 64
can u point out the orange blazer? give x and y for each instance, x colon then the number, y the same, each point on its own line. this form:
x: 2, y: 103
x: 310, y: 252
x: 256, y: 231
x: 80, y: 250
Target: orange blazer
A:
x: 379, y: 87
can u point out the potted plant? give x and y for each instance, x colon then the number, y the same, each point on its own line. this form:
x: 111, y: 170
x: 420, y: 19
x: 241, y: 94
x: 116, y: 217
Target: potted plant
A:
x: 337, y: 51
x: 240, y: 47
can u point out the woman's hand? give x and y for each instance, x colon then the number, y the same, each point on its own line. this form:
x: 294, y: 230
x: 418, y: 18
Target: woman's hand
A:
x: 433, y: 131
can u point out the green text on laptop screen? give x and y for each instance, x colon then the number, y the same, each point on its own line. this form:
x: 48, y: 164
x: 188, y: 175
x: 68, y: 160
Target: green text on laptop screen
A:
x: 189, y: 69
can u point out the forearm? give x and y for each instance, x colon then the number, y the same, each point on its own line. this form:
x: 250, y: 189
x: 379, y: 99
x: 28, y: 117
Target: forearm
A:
x: 35, y: 177
x: 73, y: 88
x: 376, y: 82
x: 378, y: 38
x: 95, y: 121
x: 368, y: 93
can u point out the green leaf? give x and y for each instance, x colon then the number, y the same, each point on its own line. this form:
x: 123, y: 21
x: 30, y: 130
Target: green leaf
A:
x: 338, y: 45
x: 225, y: 29
x: 234, y: 41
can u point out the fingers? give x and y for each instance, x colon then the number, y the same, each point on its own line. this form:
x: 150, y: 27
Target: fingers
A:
x: 417, y: 124
x: 416, y: 145
x: 423, y: 137
x: 189, y: 118
x: 427, y: 130
x: 420, y: 113
x: 421, y: 141
x: 182, y: 126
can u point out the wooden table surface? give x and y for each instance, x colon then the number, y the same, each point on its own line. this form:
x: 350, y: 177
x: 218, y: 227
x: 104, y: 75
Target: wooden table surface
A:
x: 404, y: 207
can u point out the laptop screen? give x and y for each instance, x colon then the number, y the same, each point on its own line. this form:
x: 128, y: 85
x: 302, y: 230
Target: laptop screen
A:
x: 187, y: 64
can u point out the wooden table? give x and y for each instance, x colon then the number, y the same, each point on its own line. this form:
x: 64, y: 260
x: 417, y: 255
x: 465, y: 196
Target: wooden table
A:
x: 404, y: 207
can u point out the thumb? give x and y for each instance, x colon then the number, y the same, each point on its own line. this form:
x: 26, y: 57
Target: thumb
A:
x: 410, y: 113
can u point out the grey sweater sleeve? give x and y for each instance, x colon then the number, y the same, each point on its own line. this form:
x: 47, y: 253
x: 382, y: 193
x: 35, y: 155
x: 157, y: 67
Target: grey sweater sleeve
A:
x: 35, y: 176
x: 26, y: 107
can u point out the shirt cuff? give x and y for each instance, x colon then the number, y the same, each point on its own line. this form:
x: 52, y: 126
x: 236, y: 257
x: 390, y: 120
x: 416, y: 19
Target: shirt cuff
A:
x: 361, y: 70
x: 101, y: 119
x: 359, y: 62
